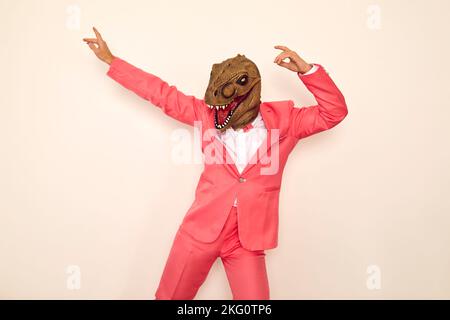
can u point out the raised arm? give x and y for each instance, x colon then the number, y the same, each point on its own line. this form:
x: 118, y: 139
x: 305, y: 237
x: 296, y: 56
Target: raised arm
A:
x: 329, y: 111
x: 331, y: 107
x: 148, y: 86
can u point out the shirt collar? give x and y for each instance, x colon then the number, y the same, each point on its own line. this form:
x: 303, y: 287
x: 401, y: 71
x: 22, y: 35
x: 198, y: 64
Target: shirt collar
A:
x: 258, y: 122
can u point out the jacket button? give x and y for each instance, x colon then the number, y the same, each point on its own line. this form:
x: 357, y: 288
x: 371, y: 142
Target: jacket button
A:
x: 241, y: 180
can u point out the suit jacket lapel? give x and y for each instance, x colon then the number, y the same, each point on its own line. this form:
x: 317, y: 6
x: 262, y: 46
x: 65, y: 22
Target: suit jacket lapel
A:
x: 270, y: 140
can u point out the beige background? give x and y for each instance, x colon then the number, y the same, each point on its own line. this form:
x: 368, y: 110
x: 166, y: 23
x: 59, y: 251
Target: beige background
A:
x: 86, y: 176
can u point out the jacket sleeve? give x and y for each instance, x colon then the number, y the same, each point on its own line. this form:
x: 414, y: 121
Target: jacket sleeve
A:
x: 150, y: 87
x: 329, y: 111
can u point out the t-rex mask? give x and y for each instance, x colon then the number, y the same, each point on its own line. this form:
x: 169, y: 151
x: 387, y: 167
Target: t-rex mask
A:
x: 234, y: 92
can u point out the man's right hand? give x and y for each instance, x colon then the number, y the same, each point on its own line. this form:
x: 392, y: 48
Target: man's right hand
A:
x: 99, y: 47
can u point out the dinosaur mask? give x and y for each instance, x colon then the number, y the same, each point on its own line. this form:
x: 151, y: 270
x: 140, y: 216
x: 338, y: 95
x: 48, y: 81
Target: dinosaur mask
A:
x: 234, y: 93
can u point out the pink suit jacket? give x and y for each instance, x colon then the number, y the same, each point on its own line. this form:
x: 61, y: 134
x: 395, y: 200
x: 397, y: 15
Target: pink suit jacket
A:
x: 220, y: 183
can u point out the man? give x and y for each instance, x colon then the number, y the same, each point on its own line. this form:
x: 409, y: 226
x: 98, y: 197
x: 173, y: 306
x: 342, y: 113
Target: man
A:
x: 246, y: 144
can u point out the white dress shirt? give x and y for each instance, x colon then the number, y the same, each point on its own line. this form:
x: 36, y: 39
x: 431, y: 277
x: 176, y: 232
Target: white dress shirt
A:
x: 243, y: 144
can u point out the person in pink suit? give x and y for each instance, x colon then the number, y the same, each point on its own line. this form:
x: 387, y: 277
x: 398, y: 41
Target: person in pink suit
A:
x: 245, y: 143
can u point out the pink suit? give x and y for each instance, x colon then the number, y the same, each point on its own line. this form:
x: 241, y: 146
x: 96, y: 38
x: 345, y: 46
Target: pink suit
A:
x: 207, y: 222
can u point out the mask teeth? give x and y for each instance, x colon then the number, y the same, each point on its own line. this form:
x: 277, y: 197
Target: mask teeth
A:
x: 225, y: 123
x: 217, y: 107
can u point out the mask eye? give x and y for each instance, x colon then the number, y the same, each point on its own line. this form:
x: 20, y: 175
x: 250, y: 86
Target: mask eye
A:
x: 242, y: 80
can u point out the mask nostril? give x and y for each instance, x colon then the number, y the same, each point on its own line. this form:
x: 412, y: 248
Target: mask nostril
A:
x: 215, y: 93
x: 228, y: 90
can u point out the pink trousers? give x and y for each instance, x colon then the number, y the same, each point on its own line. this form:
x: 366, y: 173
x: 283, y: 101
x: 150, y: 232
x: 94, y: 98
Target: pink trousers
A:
x: 189, y: 262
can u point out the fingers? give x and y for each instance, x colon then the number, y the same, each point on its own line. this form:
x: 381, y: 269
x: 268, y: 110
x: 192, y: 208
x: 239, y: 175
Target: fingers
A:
x: 92, y: 43
x: 282, y: 48
x: 88, y: 40
x: 296, y: 63
x: 285, y: 64
x: 97, y: 34
x: 93, y: 47
x: 97, y: 45
x: 283, y: 56
x: 287, y: 53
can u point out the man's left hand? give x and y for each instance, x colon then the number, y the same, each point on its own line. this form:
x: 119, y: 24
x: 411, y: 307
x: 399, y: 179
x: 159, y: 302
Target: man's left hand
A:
x: 295, y: 63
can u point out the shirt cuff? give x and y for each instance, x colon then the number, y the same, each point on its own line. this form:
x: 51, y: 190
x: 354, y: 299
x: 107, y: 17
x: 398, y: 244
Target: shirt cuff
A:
x: 312, y: 70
